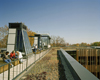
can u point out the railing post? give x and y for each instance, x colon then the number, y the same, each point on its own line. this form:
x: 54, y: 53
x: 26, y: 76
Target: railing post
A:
x: 39, y: 55
x: 13, y: 72
x: 35, y: 56
x: 3, y: 72
x: 9, y: 71
x: 26, y: 63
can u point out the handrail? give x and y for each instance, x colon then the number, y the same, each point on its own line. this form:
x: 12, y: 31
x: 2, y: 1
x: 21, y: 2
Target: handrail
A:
x: 77, y: 70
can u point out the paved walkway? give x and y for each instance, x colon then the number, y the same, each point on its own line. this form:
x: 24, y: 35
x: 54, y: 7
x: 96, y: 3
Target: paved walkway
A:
x: 14, y: 71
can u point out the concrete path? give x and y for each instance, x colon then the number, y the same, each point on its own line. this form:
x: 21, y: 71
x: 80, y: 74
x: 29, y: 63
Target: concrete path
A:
x: 15, y: 70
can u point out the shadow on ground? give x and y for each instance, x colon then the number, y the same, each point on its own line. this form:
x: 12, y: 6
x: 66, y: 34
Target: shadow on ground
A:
x: 61, y: 69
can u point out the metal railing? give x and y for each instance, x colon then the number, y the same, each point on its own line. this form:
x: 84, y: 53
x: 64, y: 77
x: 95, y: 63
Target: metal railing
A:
x: 73, y: 69
x: 11, y: 73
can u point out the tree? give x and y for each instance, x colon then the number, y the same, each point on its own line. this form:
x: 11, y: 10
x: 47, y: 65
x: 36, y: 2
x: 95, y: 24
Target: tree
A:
x: 53, y: 40
x: 30, y: 33
x: 57, y: 41
x: 67, y: 44
x: 88, y: 44
x: 3, y: 36
x: 77, y: 44
x: 83, y: 44
x: 95, y: 44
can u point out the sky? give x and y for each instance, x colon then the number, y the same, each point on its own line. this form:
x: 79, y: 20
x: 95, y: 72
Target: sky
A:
x: 74, y: 20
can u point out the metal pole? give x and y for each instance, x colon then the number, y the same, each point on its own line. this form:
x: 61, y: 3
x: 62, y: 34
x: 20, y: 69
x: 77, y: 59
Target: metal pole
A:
x: 9, y: 71
x: 26, y: 63
x: 39, y: 53
x: 3, y: 72
x: 13, y: 72
x: 35, y: 56
x: 17, y: 66
x: 22, y: 66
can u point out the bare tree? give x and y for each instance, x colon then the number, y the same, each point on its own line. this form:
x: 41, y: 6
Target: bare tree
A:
x: 57, y: 41
x: 53, y: 40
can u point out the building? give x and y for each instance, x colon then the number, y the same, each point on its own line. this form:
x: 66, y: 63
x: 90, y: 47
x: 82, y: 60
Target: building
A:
x: 41, y: 40
x: 89, y: 58
x: 18, y: 39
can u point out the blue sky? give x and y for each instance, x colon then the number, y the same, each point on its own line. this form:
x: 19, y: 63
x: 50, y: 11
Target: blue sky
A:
x: 75, y: 20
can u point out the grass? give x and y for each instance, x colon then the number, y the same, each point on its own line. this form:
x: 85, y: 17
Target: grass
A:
x: 45, y: 69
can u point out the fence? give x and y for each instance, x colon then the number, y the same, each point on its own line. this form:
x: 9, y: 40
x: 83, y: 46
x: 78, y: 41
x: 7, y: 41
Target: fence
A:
x: 8, y: 73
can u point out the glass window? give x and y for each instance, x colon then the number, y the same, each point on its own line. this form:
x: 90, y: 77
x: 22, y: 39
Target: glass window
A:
x: 19, y: 42
x: 26, y: 43
x: 94, y: 60
x: 45, y: 40
x: 98, y: 60
x: 82, y: 60
x: 79, y: 59
x: 35, y: 40
x: 89, y: 60
x: 98, y: 75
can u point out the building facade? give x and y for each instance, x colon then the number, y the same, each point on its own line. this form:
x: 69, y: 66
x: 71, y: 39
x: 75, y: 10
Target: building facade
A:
x: 90, y: 59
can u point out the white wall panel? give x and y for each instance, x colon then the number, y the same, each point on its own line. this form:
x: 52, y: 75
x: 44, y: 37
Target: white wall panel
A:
x: 11, y: 39
x: 35, y: 40
x: 12, y: 30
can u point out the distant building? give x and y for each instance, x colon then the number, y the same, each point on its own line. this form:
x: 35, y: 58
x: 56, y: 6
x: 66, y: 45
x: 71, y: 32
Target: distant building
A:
x: 95, y: 47
x: 89, y: 58
x: 41, y: 40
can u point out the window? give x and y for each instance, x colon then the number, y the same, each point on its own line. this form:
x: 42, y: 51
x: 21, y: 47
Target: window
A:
x: 98, y: 60
x: 79, y: 59
x: 82, y: 60
x: 98, y: 75
x: 26, y: 43
x: 94, y: 60
x: 45, y: 40
x: 19, y: 42
x: 91, y: 60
